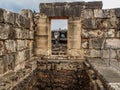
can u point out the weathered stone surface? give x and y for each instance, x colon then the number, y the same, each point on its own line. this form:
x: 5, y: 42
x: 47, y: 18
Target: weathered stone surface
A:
x: 114, y: 43
x: 117, y: 12
x: 5, y: 31
x: 114, y: 22
x: 27, y: 23
x: 9, y: 61
x: 118, y: 25
x: 95, y: 43
x: 63, y: 9
x: 39, y: 51
x: 85, y: 33
x: 18, y: 20
x: 106, y: 13
x: 2, y: 48
x: 22, y: 21
x: 112, y: 13
x: 10, y: 46
x: 9, y: 17
x: 118, y: 34
x: 95, y: 34
x: 27, y: 54
x: 19, y: 33
x: 89, y: 24
x: 85, y: 43
x: 30, y: 43
x: 94, y: 5
x: 31, y: 34
x: 111, y: 23
x: 22, y: 33
x: 92, y: 53
x: 22, y: 44
x: 88, y: 13
x: 26, y: 13
x: 103, y: 14
x: 111, y: 33
x: 118, y: 54
x: 1, y: 15
x: 21, y: 56
x: 106, y: 54
x: 104, y: 24
x: 1, y: 65
x: 67, y: 9
x: 29, y: 14
x: 98, y: 13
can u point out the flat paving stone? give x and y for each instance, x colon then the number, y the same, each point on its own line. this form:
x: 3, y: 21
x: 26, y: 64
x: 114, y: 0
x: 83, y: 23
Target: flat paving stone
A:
x: 110, y: 74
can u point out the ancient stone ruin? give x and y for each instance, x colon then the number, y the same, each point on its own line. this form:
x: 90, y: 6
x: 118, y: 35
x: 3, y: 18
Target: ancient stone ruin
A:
x: 91, y: 60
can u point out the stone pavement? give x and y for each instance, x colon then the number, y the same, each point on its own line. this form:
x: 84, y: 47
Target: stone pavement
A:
x: 107, y: 73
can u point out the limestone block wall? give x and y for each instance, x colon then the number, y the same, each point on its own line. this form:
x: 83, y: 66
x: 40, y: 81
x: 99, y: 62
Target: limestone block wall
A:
x: 16, y: 40
x: 100, y: 30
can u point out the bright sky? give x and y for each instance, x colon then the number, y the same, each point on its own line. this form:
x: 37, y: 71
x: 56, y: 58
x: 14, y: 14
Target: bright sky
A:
x: 17, y: 5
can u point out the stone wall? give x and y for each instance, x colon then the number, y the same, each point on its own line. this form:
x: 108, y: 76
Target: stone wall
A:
x: 16, y: 40
x: 99, y: 27
x: 100, y: 30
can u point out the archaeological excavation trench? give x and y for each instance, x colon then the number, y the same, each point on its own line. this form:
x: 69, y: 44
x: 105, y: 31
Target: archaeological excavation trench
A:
x: 52, y: 75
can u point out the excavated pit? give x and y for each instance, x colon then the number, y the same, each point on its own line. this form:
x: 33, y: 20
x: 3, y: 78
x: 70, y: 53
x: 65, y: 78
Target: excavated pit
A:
x: 57, y: 75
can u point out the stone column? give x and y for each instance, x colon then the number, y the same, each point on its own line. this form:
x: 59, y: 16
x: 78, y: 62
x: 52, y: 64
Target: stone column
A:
x: 42, y: 36
x: 74, y: 37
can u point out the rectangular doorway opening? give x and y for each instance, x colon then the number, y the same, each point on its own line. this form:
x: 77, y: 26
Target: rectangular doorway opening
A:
x: 59, y: 28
